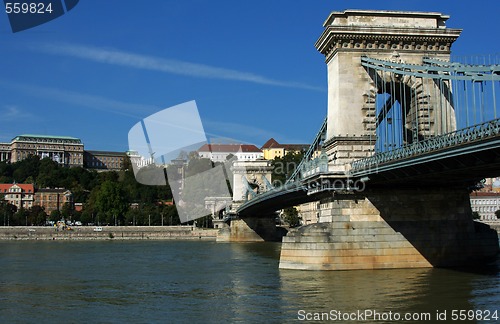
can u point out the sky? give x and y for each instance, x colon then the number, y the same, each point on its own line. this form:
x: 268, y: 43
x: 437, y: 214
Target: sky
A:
x: 251, y: 66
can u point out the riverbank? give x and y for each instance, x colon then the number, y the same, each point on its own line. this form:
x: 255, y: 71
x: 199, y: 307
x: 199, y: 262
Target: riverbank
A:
x: 107, y: 233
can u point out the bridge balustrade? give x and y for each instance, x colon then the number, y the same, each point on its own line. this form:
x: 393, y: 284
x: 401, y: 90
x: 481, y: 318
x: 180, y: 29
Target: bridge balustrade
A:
x: 455, y: 138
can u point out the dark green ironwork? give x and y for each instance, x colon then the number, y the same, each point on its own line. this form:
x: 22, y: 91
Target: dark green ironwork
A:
x: 456, y: 138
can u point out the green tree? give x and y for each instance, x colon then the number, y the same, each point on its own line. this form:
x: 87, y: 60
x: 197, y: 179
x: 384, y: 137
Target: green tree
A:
x: 55, y: 215
x: 475, y: 215
x: 7, y: 211
x: 171, y: 217
x: 283, y: 167
x: 497, y: 214
x: 67, y: 211
x: 87, y: 217
x: 111, y: 203
x: 291, y: 216
x: 37, y: 216
x: 134, y: 217
x: 20, y: 218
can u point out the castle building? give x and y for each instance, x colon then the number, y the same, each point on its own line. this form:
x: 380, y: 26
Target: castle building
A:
x: 65, y: 150
x: 104, y: 160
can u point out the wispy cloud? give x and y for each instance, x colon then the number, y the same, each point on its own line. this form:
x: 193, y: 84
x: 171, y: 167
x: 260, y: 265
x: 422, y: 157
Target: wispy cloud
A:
x: 76, y: 98
x: 11, y: 113
x: 139, y: 61
x: 237, y: 132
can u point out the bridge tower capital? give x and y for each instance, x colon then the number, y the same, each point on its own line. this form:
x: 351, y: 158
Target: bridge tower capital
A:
x: 352, y: 90
x: 250, y: 175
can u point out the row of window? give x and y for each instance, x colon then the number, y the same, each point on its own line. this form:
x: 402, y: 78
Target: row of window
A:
x: 485, y: 209
x: 48, y: 147
x: 25, y: 197
x: 485, y: 201
x: 112, y: 165
x: 108, y: 159
x: 14, y: 190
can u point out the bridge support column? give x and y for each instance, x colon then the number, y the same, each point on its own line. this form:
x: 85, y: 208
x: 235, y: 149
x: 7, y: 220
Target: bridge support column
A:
x: 391, y: 228
x: 251, y: 230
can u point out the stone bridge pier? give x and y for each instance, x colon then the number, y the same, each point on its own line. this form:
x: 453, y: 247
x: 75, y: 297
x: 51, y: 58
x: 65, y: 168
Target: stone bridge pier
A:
x: 249, y: 179
x: 391, y: 228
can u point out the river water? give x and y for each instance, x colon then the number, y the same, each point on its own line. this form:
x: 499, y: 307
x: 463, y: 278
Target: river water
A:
x: 208, y: 282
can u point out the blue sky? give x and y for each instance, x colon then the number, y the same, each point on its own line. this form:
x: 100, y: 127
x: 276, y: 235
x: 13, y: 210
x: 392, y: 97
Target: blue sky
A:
x: 251, y: 66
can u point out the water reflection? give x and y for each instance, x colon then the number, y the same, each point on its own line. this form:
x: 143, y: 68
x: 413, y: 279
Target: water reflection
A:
x: 190, y: 282
x: 424, y: 290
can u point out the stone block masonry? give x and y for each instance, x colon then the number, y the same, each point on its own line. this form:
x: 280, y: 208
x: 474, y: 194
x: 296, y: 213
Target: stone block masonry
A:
x: 391, y: 228
x: 108, y: 233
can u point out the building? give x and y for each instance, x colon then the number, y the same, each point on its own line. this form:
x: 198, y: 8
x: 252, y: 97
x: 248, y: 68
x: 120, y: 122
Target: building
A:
x: 53, y: 199
x: 485, y: 204
x: 26, y: 196
x: 104, y: 160
x: 64, y: 150
x: 309, y: 212
x: 67, y: 151
x: 4, y: 152
x: 220, y: 152
x: 17, y: 194
x: 272, y: 149
x: 138, y: 161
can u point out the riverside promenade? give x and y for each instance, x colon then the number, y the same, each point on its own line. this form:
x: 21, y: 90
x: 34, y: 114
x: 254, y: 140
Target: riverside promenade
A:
x: 107, y: 233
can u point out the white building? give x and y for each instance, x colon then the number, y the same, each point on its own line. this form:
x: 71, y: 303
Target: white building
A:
x: 138, y: 160
x: 485, y: 204
x: 220, y: 152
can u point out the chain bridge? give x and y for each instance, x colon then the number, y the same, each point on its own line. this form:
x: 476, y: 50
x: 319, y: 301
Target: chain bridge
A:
x: 408, y: 132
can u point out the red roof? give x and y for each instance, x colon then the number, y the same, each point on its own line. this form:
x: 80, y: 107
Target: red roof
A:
x: 229, y: 148
x: 5, y: 187
x: 272, y: 143
x: 484, y: 194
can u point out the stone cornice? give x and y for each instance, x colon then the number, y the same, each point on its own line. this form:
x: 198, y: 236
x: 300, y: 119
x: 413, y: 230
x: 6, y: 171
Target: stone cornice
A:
x: 334, y: 38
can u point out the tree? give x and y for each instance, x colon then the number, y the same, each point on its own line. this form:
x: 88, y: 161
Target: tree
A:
x: 110, y: 202
x: 37, y: 216
x: 171, y: 215
x: 20, y: 218
x: 87, y: 217
x: 291, y: 216
x: 55, y: 215
x: 475, y: 215
x: 283, y: 167
x: 497, y: 214
x: 7, y: 211
x: 66, y: 211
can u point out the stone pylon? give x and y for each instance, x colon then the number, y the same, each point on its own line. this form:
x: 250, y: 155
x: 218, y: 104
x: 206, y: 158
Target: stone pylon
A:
x: 405, y: 37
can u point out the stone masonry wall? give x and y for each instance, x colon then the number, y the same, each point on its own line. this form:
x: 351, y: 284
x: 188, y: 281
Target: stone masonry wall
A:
x: 392, y: 228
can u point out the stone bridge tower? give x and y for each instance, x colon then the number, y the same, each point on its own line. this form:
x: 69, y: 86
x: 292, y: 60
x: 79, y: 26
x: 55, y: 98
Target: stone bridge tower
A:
x: 250, y: 178
x: 406, y: 37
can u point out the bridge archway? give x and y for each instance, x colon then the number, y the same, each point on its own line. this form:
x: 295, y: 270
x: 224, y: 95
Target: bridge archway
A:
x: 353, y: 90
x: 402, y: 109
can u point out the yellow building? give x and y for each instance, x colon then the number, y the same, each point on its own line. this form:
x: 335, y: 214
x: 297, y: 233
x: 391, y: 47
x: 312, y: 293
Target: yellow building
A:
x: 272, y: 149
